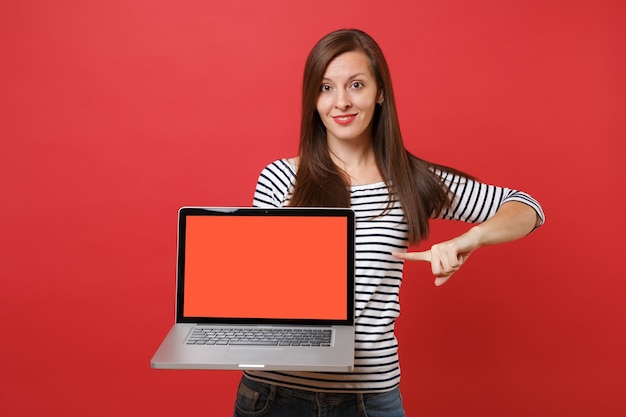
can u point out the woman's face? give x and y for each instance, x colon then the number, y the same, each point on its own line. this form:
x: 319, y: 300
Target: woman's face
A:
x: 348, y: 97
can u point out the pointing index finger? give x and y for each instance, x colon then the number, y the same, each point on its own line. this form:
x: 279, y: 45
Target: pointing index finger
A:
x: 424, y: 256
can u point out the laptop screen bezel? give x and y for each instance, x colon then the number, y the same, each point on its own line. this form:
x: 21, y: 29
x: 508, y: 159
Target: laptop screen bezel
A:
x: 185, y: 212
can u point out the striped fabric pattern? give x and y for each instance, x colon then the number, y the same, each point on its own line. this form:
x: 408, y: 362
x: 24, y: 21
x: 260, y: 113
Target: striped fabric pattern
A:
x: 378, y: 274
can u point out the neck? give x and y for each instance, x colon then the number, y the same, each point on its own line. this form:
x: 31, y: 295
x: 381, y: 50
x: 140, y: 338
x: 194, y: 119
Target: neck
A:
x: 357, y: 160
x: 351, y: 153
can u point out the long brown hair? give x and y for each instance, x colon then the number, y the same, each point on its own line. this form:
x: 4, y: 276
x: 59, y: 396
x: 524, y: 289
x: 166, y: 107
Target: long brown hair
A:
x: 319, y: 182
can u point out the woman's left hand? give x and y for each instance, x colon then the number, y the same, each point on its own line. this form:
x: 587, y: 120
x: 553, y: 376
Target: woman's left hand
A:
x: 512, y: 221
x: 445, y: 258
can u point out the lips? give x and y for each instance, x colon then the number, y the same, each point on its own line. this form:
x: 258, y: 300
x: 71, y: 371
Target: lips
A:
x: 344, y: 119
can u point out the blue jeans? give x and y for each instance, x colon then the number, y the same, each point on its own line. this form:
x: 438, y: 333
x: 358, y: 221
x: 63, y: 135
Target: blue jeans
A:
x: 256, y: 399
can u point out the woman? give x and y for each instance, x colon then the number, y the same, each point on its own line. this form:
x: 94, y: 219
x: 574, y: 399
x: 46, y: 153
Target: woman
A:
x: 352, y: 155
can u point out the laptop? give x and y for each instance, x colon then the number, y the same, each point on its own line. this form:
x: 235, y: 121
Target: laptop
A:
x: 264, y: 289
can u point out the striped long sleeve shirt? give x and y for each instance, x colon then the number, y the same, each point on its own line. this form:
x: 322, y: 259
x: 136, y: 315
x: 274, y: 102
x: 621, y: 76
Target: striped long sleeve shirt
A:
x: 378, y: 273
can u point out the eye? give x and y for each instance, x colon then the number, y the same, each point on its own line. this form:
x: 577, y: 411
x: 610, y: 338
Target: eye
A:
x: 325, y: 88
x: 357, y: 85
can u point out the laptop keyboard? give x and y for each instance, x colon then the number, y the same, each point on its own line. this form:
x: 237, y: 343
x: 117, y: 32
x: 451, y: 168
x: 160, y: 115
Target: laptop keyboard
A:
x: 259, y: 336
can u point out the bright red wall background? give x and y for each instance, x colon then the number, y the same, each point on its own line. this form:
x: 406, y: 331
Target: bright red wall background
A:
x: 113, y: 114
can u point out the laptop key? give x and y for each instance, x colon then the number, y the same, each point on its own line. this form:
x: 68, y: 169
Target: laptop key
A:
x: 254, y: 342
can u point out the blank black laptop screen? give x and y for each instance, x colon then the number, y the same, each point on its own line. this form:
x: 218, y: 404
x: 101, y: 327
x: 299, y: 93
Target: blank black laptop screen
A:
x: 266, y: 267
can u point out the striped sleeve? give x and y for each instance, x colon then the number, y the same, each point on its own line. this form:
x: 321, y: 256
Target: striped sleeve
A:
x: 475, y: 202
x: 274, y: 185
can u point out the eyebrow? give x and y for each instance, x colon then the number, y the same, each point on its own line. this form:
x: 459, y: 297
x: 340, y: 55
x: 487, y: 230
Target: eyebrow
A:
x: 350, y: 78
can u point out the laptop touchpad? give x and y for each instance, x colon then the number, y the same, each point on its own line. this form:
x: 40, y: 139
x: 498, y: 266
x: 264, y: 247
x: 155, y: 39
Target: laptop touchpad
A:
x: 254, y: 355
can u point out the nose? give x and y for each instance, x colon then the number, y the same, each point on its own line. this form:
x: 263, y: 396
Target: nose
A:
x: 342, y: 100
